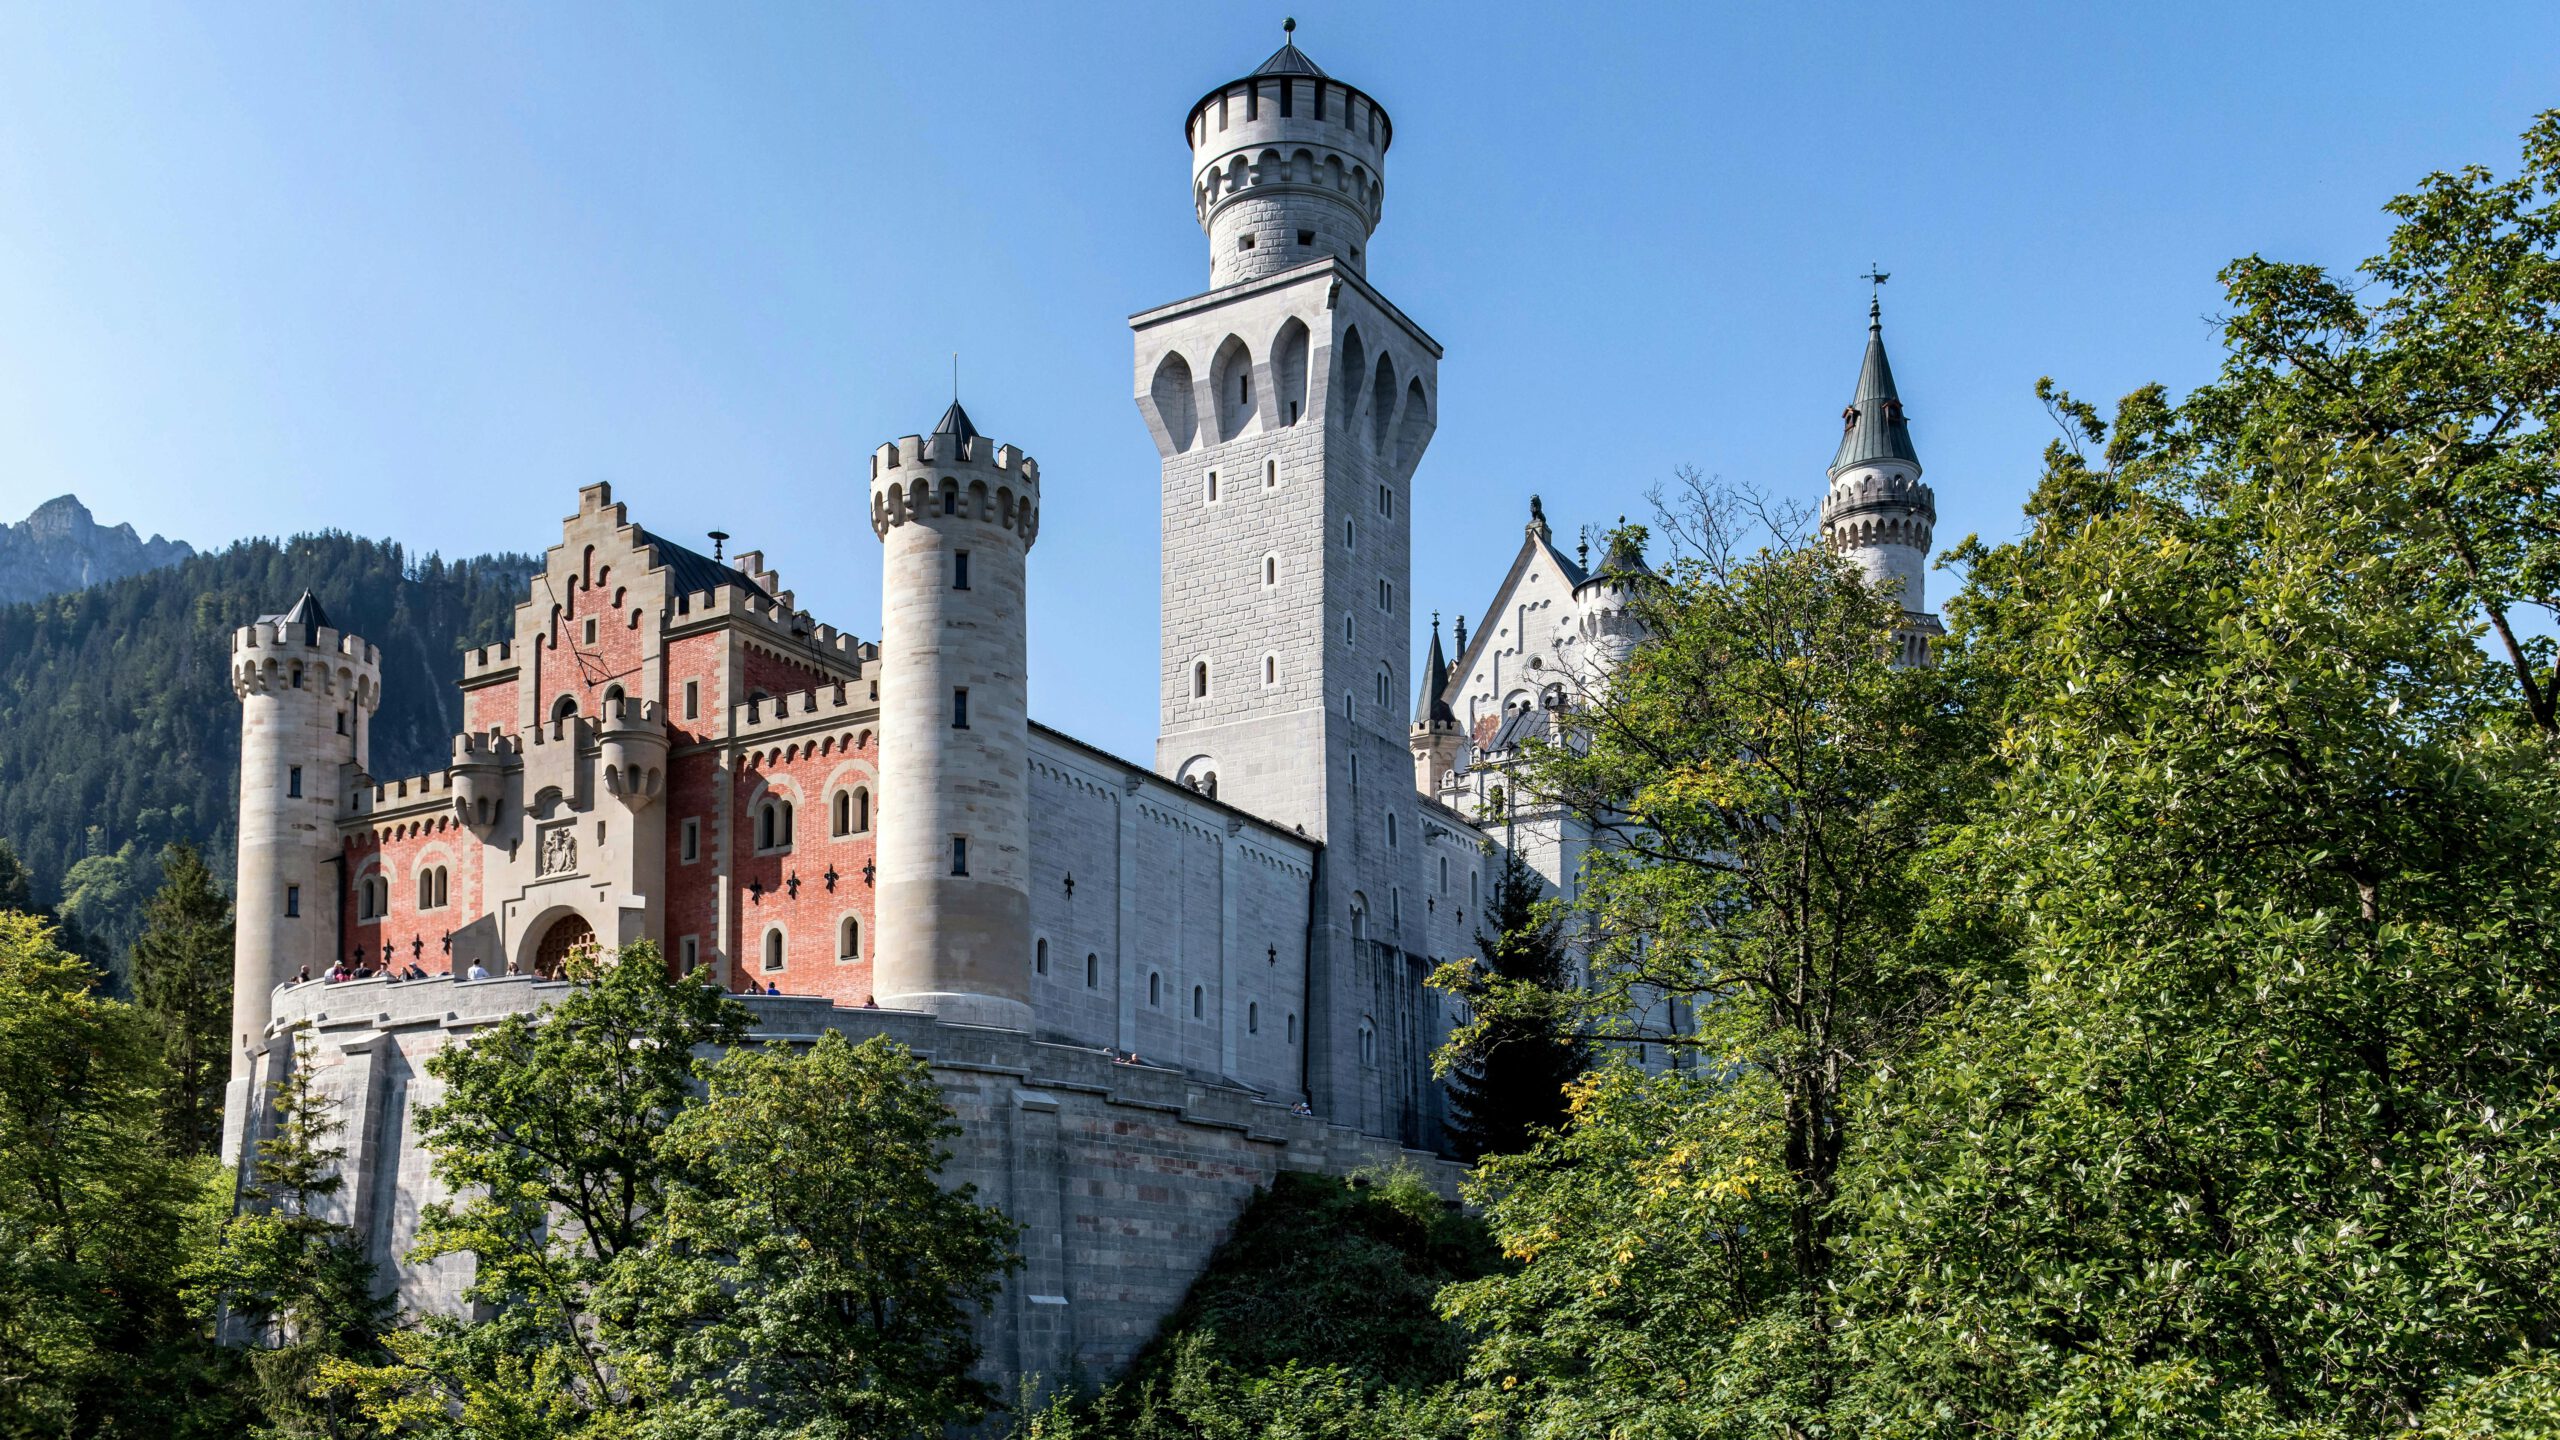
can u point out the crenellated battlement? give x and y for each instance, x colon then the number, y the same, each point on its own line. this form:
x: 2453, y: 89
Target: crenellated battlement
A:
x: 1874, y: 488
x: 486, y: 748
x: 777, y: 714
x: 373, y: 797
x: 745, y: 606
x: 266, y: 657
x: 487, y: 661
x: 948, y: 477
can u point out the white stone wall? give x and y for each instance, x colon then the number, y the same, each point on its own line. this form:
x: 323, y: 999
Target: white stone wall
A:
x: 1318, y: 170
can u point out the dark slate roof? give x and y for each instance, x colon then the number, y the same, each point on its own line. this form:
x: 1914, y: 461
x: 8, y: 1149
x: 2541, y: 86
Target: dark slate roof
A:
x: 1288, y: 60
x: 1433, y: 707
x: 955, y: 423
x: 1529, y: 722
x: 689, y: 571
x: 305, y: 612
x: 1874, y: 427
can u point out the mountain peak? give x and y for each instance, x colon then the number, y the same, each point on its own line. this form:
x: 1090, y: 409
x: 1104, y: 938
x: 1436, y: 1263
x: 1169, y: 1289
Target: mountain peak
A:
x: 61, y: 546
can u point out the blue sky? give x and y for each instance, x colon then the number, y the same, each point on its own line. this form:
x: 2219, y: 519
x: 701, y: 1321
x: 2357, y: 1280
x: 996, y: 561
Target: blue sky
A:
x: 421, y: 271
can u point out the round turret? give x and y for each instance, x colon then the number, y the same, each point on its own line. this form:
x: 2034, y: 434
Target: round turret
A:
x: 634, y: 758
x: 480, y: 765
x: 1603, y: 598
x: 956, y: 515
x: 307, y: 695
x: 1878, y: 514
x: 1288, y: 165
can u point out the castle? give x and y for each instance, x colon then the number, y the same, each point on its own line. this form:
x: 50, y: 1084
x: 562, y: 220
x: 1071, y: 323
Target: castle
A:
x: 669, y: 749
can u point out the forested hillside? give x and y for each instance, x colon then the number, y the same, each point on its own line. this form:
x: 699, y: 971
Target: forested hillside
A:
x: 118, y: 731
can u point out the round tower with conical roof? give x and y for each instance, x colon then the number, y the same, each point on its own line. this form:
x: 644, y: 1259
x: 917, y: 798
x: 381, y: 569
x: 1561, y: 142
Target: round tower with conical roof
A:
x: 1878, y: 514
x: 1288, y: 165
x: 956, y: 514
x: 1603, y: 604
x: 307, y: 695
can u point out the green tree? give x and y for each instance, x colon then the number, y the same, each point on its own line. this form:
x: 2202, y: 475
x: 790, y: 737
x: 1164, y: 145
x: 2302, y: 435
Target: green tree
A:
x: 182, y: 978
x: 1507, y: 1070
x: 1764, y: 778
x: 548, y: 1132
x: 2254, y: 1131
x: 93, y: 1338
x: 17, y: 884
x: 279, y: 1276
x: 813, y: 1277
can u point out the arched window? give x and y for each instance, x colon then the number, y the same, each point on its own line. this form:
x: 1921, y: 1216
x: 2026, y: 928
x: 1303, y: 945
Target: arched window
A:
x: 1270, y: 570
x: 786, y: 822
x: 1092, y: 971
x: 1040, y: 958
x: 1253, y: 1017
x: 612, y: 701
x: 427, y: 889
x: 862, y: 812
x: 1384, y: 699
x: 1270, y: 669
x: 1199, y: 679
x: 1199, y: 1002
x: 1359, y: 916
x: 1270, y: 474
x: 842, y: 807
x: 1391, y: 830
x: 1368, y: 1042
x: 773, y: 948
x: 1155, y: 990
x: 1293, y: 1027
x: 767, y: 826
x: 849, y: 938
x: 564, y: 707
x: 444, y: 891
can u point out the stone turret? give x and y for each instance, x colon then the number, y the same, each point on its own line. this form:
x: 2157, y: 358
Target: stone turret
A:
x: 1878, y: 513
x: 1604, y: 600
x: 1287, y: 166
x: 1435, y: 725
x: 957, y: 514
x: 307, y: 695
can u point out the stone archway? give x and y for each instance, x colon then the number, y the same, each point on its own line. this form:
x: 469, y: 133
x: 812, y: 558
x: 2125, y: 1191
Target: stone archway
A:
x: 568, y: 935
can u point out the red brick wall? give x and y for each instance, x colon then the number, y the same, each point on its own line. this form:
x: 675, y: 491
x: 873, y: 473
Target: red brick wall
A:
x: 776, y: 676
x: 491, y: 707
x: 574, y: 667
x: 808, y: 917
x: 694, y: 792
x: 415, y: 935
x: 695, y: 658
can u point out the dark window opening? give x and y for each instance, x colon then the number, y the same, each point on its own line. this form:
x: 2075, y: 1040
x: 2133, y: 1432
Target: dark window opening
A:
x: 293, y: 782
x: 960, y: 708
x: 1243, y: 242
x: 293, y: 902
x: 960, y: 570
x: 342, y: 722
x: 950, y: 502
x: 1306, y: 238
x: 1288, y: 94
x: 959, y: 854
x: 1092, y: 971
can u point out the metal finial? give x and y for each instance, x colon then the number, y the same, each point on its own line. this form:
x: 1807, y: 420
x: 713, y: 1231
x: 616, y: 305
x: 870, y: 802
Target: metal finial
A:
x: 1289, y: 26
x: 718, y: 539
x: 955, y: 377
x: 1875, y: 278
x: 1435, y: 622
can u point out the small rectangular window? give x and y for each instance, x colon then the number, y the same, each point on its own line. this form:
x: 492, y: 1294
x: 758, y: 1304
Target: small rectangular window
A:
x: 1212, y: 489
x: 591, y: 630
x: 1306, y: 239
x: 690, y: 846
x: 293, y: 902
x: 690, y: 949
x: 1253, y: 102
x: 959, y: 569
x: 293, y: 782
x: 693, y: 699
x: 1288, y: 93
x: 342, y: 722
x: 960, y: 708
x: 959, y: 854
x: 1386, y: 594
x: 950, y: 502
x: 1387, y: 502
x: 1244, y: 242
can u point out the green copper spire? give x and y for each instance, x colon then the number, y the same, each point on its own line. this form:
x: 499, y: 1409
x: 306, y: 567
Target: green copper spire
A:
x: 1873, y: 428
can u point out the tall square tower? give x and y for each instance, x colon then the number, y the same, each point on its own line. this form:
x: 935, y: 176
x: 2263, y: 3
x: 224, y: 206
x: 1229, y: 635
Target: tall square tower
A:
x: 1290, y: 403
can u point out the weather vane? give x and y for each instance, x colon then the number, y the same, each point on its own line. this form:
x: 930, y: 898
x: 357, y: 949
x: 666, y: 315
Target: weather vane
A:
x: 1875, y: 278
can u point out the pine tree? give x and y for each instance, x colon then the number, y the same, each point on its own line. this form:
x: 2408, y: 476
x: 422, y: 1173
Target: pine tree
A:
x: 17, y: 884
x: 1509, y: 1072
x: 286, y: 1281
x: 182, y: 977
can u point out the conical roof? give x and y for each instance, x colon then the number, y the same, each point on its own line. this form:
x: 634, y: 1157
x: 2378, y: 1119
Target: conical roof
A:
x: 955, y: 423
x: 305, y: 612
x: 1873, y: 428
x: 1288, y: 59
x: 1431, y: 708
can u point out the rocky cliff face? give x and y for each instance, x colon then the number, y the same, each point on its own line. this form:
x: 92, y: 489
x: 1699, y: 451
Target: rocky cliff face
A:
x: 62, y: 547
